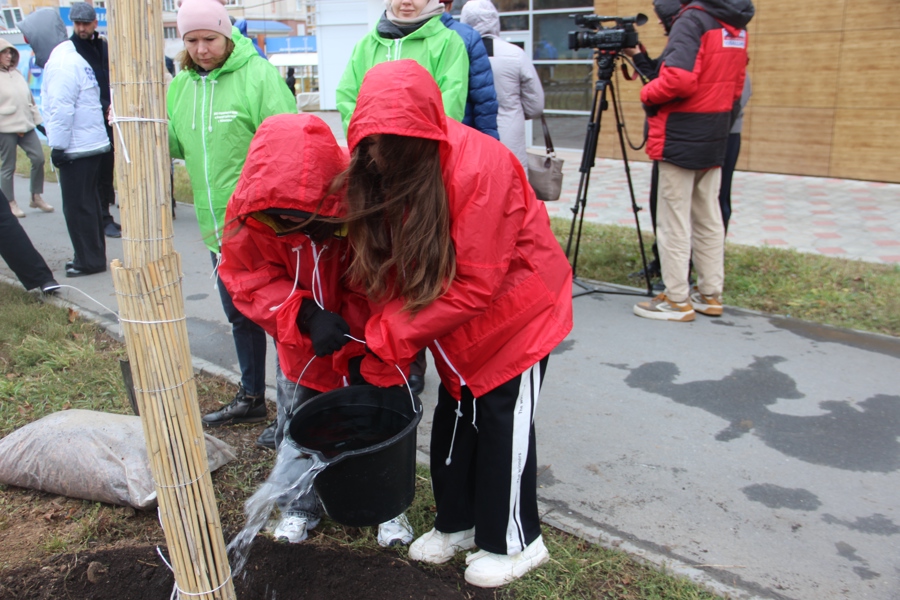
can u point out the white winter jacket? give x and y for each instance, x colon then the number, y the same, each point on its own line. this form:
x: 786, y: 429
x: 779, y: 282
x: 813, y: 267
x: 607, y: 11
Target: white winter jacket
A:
x: 519, y: 91
x: 70, y: 102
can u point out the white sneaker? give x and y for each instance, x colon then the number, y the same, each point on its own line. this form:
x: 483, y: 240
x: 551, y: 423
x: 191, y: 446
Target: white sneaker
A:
x: 291, y: 529
x: 395, y: 532
x: 488, y: 570
x: 436, y: 548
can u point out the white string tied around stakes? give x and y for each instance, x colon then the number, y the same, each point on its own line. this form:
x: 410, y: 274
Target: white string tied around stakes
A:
x: 177, y: 592
x: 114, y: 120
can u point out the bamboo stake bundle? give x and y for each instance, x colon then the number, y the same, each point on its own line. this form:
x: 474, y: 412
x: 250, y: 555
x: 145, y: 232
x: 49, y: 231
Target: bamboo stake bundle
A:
x: 151, y: 307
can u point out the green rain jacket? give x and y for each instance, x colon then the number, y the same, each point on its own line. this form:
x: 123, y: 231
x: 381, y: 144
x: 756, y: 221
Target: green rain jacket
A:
x: 440, y: 50
x: 212, y: 119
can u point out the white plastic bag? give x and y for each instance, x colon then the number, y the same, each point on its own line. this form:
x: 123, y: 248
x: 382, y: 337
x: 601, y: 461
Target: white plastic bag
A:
x: 87, y: 454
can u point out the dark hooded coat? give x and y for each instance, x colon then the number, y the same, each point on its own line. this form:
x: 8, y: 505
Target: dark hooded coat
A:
x: 696, y: 97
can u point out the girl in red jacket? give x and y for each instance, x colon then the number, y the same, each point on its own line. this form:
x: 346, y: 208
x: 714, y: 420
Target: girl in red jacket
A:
x: 283, y: 259
x: 456, y: 254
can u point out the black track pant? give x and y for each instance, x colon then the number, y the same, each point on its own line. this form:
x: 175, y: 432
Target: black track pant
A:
x: 81, y: 207
x: 18, y: 252
x: 491, y: 481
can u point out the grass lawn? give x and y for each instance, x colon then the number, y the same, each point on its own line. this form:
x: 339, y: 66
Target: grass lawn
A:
x: 834, y: 291
x: 52, y: 360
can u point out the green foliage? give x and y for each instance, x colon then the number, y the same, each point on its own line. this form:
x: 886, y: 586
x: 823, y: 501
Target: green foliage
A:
x: 23, y: 165
x: 51, y: 364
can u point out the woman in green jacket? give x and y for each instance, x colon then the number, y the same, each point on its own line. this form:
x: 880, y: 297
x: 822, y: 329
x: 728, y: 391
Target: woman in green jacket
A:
x: 215, y: 104
x: 410, y: 29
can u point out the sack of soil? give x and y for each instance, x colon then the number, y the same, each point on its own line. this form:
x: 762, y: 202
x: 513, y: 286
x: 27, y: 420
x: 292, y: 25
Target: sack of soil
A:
x: 88, y: 454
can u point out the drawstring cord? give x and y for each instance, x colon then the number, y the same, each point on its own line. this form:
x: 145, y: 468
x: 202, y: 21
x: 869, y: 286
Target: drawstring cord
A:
x: 295, y: 250
x: 215, y: 272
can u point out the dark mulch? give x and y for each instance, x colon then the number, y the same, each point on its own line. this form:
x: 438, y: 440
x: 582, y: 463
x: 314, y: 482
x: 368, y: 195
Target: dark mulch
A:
x: 274, y: 572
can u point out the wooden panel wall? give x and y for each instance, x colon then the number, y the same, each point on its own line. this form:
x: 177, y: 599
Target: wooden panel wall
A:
x: 826, y: 94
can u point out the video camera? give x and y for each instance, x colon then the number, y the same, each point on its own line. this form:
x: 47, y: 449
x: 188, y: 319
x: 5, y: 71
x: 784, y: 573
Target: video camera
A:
x: 612, y: 38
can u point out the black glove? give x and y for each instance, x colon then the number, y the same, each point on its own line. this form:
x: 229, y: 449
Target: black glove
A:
x: 650, y: 109
x: 326, y: 329
x: 356, y: 377
x: 58, y: 157
x: 41, y: 129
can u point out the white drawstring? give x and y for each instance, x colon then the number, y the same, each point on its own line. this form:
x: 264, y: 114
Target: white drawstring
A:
x: 212, y: 95
x: 215, y: 272
x: 316, y: 283
x: 296, y: 250
x: 459, y: 415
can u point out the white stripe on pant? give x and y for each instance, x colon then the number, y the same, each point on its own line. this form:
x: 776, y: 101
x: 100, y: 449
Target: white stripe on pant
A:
x: 491, y: 481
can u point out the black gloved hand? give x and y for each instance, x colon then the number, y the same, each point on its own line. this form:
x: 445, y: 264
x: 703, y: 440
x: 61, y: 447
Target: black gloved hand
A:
x: 58, y: 157
x: 650, y: 109
x: 353, y: 366
x: 326, y: 329
x: 41, y: 129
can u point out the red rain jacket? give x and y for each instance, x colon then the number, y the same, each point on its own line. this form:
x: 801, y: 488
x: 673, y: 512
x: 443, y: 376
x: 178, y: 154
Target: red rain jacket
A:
x: 699, y: 86
x: 510, y: 303
x: 290, y: 165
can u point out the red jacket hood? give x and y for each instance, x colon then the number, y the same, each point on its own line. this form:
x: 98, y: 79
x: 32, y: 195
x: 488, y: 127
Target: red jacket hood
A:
x: 291, y: 164
x: 401, y: 98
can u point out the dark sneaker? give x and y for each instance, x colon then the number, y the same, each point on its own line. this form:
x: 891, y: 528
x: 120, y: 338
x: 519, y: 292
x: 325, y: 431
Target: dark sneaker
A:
x: 112, y: 231
x: 267, y: 438
x: 663, y: 309
x: 50, y: 287
x: 243, y: 409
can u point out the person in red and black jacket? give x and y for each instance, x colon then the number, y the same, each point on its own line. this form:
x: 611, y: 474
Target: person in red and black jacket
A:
x: 691, y: 106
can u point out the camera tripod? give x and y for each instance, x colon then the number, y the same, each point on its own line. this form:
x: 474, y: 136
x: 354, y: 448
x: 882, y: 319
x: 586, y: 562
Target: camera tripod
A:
x: 605, y: 69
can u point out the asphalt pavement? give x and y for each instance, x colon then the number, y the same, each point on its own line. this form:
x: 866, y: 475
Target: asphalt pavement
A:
x: 757, y: 454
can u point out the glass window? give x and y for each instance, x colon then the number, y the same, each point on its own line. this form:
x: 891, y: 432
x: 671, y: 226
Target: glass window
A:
x: 551, y: 38
x: 514, y: 23
x: 551, y: 4
x: 502, y: 5
x: 566, y: 86
x: 169, y: 5
x: 170, y: 33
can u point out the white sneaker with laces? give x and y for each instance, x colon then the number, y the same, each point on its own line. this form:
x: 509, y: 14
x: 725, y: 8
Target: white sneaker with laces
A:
x: 488, y: 570
x: 437, y: 548
x: 395, y: 532
x: 291, y: 529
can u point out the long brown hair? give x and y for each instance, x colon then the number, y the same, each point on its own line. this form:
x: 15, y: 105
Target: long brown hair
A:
x: 399, y: 221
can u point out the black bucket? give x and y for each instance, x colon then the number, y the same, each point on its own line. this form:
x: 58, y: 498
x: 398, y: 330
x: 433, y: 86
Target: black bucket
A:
x: 367, y: 437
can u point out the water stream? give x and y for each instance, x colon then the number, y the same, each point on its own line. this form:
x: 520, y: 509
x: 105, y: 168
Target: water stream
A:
x: 292, y: 476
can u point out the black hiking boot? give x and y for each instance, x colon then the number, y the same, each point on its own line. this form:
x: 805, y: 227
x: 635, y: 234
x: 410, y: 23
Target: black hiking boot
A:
x: 243, y: 409
x: 267, y: 438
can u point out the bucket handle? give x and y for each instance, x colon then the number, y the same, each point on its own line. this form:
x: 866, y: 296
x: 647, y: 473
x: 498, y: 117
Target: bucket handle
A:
x: 412, y: 400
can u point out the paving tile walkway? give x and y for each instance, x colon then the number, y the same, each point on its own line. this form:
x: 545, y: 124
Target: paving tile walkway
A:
x: 835, y: 217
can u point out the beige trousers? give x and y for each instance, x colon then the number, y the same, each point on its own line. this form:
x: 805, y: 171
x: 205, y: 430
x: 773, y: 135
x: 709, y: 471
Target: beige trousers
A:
x: 689, y: 222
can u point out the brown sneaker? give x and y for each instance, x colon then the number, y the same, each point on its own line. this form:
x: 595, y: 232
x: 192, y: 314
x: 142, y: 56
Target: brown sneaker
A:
x: 38, y: 202
x: 16, y: 211
x: 663, y: 309
x: 707, y: 305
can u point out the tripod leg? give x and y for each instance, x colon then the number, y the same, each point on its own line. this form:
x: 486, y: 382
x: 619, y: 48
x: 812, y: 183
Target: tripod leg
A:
x: 587, y: 162
x: 620, y: 126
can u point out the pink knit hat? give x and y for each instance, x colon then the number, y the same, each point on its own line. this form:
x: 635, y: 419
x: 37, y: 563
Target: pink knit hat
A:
x: 203, y: 14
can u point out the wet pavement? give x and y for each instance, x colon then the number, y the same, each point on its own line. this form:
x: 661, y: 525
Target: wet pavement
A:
x: 757, y: 454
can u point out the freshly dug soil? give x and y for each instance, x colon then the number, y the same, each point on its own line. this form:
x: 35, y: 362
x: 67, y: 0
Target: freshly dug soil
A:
x: 274, y: 571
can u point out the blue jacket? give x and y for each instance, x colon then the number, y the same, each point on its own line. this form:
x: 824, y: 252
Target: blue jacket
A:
x: 481, y: 103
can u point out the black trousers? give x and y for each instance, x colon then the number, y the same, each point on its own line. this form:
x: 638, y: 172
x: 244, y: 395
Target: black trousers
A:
x: 81, y: 208
x: 491, y: 481
x: 18, y: 252
x: 105, y: 185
